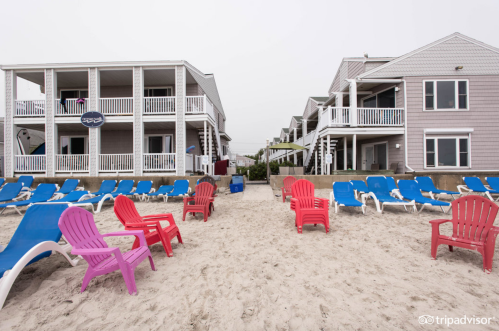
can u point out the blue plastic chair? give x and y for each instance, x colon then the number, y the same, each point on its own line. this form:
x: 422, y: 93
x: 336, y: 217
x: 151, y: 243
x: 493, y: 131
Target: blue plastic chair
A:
x: 73, y: 196
x: 180, y: 189
x: 343, y: 195
x: 378, y: 187
x: 10, y: 191
x: 107, y: 186
x: 35, y: 238
x: 161, y: 192
x: 143, y: 188
x: 42, y: 194
x: 125, y: 187
x: 68, y: 186
x: 359, y: 187
x: 426, y: 185
x: 410, y: 190
x: 493, y: 182
x: 2, y: 180
x: 474, y: 184
x: 391, y: 184
x: 27, y: 181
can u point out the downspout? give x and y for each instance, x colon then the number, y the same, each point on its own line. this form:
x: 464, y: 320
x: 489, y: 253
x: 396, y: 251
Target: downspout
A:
x: 405, y: 128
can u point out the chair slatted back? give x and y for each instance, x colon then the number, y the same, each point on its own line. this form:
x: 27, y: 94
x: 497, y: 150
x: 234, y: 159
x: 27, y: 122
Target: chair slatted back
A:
x: 303, y: 190
x: 204, y: 192
x: 78, y: 227
x: 125, y: 210
x: 472, y: 217
x: 288, y: 183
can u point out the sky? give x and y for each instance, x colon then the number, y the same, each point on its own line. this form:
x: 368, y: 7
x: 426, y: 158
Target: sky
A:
x: 268, y: 57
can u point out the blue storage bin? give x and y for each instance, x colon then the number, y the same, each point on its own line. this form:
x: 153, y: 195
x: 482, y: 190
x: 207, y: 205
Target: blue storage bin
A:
x: 234, y: 188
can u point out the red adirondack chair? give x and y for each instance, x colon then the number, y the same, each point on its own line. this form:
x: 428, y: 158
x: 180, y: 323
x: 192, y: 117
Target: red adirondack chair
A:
x: 286, y: 190
x: 472, y: 220
x: 308, y: 209
x: 125, y: 210
x: 203, y: 201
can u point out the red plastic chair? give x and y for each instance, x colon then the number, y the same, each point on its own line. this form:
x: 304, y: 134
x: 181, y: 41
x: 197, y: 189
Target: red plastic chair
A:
x: 125, y: 210
x: 286, y: 190
x: 203, y: 201
x: 308, y: 209
x: 472, y: 219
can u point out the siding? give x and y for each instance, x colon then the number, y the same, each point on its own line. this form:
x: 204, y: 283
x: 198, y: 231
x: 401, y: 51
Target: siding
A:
x: 309, y: 108
x: 394, y: 154
x: 116, y: 142
x: 343, y: 75
x: 355, y: 68
x: 482, y: 116
x: 193, y: 90
x: 116, y: 91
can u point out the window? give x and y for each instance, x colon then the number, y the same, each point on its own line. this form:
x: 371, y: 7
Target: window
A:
x: 158, y: 92
x: 445, y: 95
x: 74, y: 94
x: 447, y: 152
x: 385, y: 99
x: 73, y: 145
x: 156, y: 144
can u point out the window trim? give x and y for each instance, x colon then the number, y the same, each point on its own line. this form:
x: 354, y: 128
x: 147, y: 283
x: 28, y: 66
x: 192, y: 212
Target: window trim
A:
x: 456, y: 137
x: 170, y: 87
x: 376, y: 95
x: 456, y: 96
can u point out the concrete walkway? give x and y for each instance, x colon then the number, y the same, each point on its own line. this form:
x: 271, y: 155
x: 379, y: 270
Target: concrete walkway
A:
x: 258, y: 193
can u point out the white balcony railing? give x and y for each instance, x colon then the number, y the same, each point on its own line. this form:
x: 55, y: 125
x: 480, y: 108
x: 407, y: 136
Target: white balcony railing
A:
x: 380, y: 116
x: 198, y: 165
x: 339, y: 116
x: 159, y: 105
x: 30, y: 163
x: 115, y: 162
x: 71, y: 163
x: 30, y: 108
x: 309, y: 137
x: 189, y: 162
x: 159, y: 161
x: 194, y: 105
x: 116, y: 106
x: 72, y: 107
x: 299, y: 141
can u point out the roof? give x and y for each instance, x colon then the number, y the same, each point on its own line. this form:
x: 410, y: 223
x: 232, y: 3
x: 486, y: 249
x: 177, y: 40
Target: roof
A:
x: 225, y: 135
x: 285, y: 130
x: 320, y: 99
x: 440, y: 58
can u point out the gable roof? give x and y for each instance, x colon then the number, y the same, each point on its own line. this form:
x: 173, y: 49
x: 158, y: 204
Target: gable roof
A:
x: 440, y: 58
x: 320, y: 99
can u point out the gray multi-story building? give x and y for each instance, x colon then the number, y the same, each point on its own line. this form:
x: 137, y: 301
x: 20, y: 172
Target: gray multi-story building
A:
x: 154, y: 111
x: 433, y: 109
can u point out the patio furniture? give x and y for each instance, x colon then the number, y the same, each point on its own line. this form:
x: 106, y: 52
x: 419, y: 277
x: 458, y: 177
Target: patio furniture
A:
x: 42, y: 194
x: 308, y: 208
x: 426, y: 185
x: 378, y: 190
x: 107, y: 186
x: 203, y: 201
x: 125, y: 187
x: 343, y: 195
x: 359, y: 187
x: 68, y: 186
x: 161, y: 192
x: 10, y: 191
x: 472, y: 222
x: 180, y: 189
x: 286, y: 190
x: 79, y: 229
x: 143, y: 187
x: 475, y: 185
x: 409, y: 189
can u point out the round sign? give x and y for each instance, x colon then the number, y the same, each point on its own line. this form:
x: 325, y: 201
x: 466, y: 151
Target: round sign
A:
x: 92, y: 119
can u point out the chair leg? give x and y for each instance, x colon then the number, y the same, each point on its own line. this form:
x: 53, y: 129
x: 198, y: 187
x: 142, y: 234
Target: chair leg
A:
x: 179, y: 237
x: 86, y: 279
x: 151, y: 262
x: 451, y: 248
x: 434, y: 247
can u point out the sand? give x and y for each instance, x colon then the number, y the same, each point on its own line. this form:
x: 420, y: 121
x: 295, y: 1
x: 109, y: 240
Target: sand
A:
x: 248, y: 269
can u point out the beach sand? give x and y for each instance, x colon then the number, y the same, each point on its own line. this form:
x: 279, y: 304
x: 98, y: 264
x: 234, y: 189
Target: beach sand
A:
x: 247, y: 268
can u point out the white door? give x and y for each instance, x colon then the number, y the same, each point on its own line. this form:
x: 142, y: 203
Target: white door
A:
x: 367, y: 157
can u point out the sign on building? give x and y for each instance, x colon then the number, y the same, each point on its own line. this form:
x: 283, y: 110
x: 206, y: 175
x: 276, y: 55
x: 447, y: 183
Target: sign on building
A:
x: 329, y: 158
x: 92, y: 119
x: 205, y: 160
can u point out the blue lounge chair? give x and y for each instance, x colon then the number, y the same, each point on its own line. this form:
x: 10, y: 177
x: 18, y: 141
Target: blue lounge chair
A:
x: 68, y: 186
x: 2, y: 180
x: 343, y: 195
x: 180, y: 189
x: 26, y: 181
x: 107, y: 186
x: 125, y: 187
x: 73, y: 196
x: 426, y: 185
x: 143, y: 187
x: 42, y: 194
x: 394, y: 190
x: 35, y: 238
x: 161, y: 192
x: 10, y: 191
x: 378, y: 187
x: 410, y: 190
x: 475, y: 185
x: 359, y: 187
x: 99, y: 200
x: 493, y: 183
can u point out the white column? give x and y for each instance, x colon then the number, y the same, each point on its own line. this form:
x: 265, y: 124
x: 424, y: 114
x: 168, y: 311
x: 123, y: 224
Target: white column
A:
x: 317, y: 152
x: 336, y: 157
x: 322, y: 156
x: 205, y: 143
x: 10, y: 130
x: 180, y: 132
x: 295, y: 159
x: 354, y: 152
x: 353, y: 102
x: 210, y: 147
x: 338, y: 100
x: 50, y: 133
x: 138, y: 124
x: 295, y: 134
x: 94, y: 133
x: 345, y: 154
x: 328, y: 151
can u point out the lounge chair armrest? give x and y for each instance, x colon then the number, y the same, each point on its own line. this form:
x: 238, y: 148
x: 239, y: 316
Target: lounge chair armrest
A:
x: 152, y: 190
x: 138, y: 233
x: 95, y: 251
x: 463, y: 189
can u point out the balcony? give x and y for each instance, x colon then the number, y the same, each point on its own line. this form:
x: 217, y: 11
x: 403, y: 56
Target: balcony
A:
x: 30, y: 163
x: 159, y: 161
x: 71, y: 163
x: 32, y: 108
x: 366, y: 117
x: 159, y: 105
x: 115, y: 162
x: 72, y: 107
x: 199, y: 105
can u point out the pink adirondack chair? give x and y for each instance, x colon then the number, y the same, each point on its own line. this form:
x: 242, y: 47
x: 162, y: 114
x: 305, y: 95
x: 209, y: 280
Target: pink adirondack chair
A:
x: 472, y: 222
x: 286, y: 190
x: 78, y: 227
x: 308, y: 208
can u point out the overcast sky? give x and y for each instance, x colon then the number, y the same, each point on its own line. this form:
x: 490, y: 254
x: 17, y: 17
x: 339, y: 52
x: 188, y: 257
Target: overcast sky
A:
x: 268, y: 57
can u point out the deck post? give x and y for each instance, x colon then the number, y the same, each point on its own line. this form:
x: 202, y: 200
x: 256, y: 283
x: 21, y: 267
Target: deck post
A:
x: 50, y: 126
x: 10, y: 134
x: 316, y: 152
x: 138, y: 125
x: 345, y: 154
x: 336, y: 157
x: 353, y: 102
x: 322, y: 156
x: 328, y: 151
x: 180, y: 133
x: 94, y: 134
x: 354, y: 152
x: 210, y: 139
x: 205, y: 143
